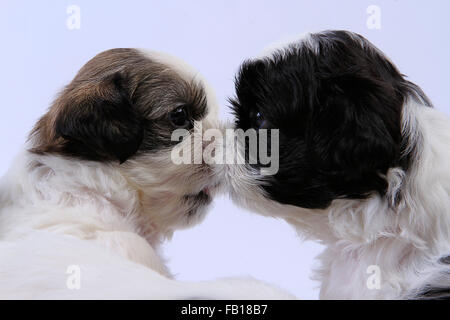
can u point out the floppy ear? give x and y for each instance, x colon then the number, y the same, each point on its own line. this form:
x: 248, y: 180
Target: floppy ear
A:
x: 357, y: 134
x: 97, y: 121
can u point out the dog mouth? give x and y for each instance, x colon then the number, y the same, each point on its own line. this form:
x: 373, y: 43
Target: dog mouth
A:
x: 203, y: 197
x: 198, y: 201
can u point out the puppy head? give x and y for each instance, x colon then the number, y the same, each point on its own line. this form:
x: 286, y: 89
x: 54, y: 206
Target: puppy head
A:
x: 337, y: 101
x: 120, y: 110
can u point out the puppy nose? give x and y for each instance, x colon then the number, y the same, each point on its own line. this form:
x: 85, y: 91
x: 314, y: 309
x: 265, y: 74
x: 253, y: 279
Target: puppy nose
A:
x: 212, y: 142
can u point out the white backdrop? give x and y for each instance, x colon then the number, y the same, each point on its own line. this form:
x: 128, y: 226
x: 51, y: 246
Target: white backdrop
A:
x: 43, y: 45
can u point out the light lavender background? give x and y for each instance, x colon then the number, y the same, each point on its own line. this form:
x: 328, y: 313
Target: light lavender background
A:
x: 39, y: 55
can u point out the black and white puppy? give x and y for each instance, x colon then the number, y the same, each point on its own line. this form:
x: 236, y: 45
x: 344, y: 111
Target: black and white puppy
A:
x: 363, y: 165
x: 85, y: 206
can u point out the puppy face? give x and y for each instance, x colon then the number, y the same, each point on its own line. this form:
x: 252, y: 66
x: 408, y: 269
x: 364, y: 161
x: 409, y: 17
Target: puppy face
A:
x: 337, y: 101
x: 120, y: 110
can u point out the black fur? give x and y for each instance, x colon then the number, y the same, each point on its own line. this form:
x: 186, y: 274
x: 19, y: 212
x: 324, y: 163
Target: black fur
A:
x: 102, y: 127
x: 434, y: 293
x: 338, y: 107
x: 437, y: 287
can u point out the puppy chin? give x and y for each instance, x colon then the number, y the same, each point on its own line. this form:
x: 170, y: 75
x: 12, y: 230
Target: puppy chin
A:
x: 244, y: 183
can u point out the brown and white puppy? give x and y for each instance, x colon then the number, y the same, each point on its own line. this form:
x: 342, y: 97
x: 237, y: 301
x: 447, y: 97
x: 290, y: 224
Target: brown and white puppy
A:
x: 97, y: 191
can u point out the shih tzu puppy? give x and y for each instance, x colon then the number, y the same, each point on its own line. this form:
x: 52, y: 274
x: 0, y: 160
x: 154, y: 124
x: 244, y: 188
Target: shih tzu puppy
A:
x: 84, y: 208
x: 363, y: 165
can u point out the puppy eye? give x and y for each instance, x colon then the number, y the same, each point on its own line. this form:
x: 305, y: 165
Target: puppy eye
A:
x: 258, y: 120
x: 179, y: 117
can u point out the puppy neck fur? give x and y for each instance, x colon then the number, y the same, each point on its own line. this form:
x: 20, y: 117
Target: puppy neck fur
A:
x: 88, y: 200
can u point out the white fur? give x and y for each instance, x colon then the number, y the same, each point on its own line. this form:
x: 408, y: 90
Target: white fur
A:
x: 58, y: 212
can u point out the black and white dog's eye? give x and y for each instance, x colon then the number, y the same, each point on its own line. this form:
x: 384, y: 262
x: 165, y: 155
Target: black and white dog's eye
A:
x: 180, y: 117
x: 258, y: 120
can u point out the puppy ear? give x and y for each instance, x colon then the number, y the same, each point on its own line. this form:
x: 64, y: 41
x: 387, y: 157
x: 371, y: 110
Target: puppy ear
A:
x: 358, y: 136
x: 96, y: 120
